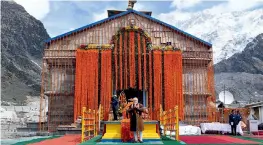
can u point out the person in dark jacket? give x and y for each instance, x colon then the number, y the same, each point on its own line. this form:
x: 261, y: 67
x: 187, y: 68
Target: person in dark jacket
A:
x: 136, y: 120
x: 115, y: 106
x: 232, y: 122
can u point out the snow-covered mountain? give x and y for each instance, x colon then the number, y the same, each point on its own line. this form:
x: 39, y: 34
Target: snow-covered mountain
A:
x: 242, y: 73
x: 228, y: 32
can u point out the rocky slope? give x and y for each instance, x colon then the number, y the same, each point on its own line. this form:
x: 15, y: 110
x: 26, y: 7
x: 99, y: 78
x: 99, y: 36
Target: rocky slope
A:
x: 242, y: 73
x: 21, y: 52
x: 243, y: 86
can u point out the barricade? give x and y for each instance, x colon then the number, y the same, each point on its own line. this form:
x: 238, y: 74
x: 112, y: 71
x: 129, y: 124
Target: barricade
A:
x: 170, y: 121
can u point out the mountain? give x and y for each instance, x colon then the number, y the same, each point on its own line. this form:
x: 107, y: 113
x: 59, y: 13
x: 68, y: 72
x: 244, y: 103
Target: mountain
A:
x: 229, y: 32
x: 236, y: 37
x: 250, y: 60
x: 243, y: 86
x: 242, y: 73
x: 23, y: 43
x: 22, y: 48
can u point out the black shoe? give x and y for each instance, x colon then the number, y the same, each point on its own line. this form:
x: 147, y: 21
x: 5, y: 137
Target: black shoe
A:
x: 141, y: 141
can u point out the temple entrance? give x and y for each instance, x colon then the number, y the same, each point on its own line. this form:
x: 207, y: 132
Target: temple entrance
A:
x: 131, y: 63
x: 131, y: 93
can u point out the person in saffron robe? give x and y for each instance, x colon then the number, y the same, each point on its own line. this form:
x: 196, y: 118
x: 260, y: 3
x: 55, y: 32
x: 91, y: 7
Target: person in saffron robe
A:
x: 136, y: 122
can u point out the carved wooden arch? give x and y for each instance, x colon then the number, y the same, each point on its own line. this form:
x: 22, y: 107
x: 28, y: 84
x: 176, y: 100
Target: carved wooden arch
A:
x: 135, y: 29
x: 130, y: 49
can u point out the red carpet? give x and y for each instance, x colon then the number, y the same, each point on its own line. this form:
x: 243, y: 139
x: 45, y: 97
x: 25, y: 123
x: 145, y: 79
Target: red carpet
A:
x: 235, y: 140
x: 214, y: 140
x: 71, y: 139
x: 202, y: 140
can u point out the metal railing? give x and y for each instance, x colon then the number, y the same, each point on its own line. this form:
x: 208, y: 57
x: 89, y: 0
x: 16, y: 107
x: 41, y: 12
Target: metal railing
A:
x: 100, y: 116
x: 170, y: 121
x: 90, y: 122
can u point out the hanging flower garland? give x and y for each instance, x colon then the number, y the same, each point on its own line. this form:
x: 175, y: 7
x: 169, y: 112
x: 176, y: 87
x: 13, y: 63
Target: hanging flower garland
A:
x: 132, y: 56
x: 106, y: 81
x: 129, y: 29
x: 126, y: 134
x: 94, y: 46
x: 87, y: 77
x: 157, y: 64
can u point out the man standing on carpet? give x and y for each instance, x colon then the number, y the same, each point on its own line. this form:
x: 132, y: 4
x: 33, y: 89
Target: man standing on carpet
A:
x: 232, y: 122
x: 136, y: 121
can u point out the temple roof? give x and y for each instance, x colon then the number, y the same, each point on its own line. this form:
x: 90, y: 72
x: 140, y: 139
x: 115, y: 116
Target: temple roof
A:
x: 142, y: 14
x: 115, y: 12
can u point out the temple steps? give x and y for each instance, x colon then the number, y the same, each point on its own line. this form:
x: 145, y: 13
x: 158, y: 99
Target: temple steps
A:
x: 113, y: 132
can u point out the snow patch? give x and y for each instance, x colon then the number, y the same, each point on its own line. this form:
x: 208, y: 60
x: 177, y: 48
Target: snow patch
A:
x: 17, y: 116
x: 36, y: 64
x: 7, y: 115
x: 229, y: 32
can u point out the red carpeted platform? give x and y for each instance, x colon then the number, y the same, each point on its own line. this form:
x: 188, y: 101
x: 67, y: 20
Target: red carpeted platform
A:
x: 64, y: 140
x: 203, y: 139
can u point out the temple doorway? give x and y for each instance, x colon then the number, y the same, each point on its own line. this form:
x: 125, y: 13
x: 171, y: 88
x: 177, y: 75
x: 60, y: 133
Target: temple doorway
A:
x: 131, y: 93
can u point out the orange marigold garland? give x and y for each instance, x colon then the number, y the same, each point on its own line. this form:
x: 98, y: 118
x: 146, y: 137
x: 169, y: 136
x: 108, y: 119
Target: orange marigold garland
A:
x: 109, y: 78
x: 86, y: 81
x: 121, y: 61
x: 132, y: 55
x: 116, y: 65
x: 144, y: 63
x: 168, y: 80
x: 150, y: 99
x: 125, y: 61
x: 126, y: 134
x: 157, y: 80
x: 95, y: 92
x: 93, y: 70
x: 139, y: 62
x: 106, y: 81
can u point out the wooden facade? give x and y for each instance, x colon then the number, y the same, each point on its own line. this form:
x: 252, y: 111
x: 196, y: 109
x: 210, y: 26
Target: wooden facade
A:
x: 59, y: 65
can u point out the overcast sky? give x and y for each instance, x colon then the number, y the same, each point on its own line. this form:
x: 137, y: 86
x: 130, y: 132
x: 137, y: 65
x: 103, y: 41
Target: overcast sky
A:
x: 62, y: 16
